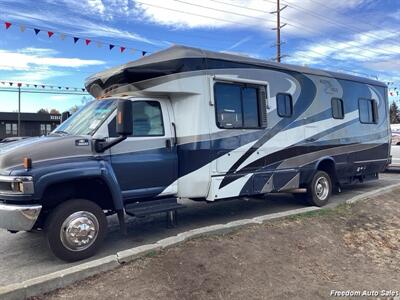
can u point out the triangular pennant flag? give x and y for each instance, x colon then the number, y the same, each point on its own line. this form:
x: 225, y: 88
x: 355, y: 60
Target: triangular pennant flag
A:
x: 22, y: 28
x: 133, y: 51
x: 144, y: 53
x: 35, y: 85
x: 83, y: 90
x: 36, y: 31
x: 76, y: 39
x: 19, y: 84
x: 50, y: 33
x: 59, y: 87
x: 8, y: 24
x: 99, y: 44
x: 111, y: 46
x: 3, y: 82
x: 75, y: 89
x: 27, y: 85
x: 43, y: 86
x: 67, y: 88
x: 62, y: 36
x: 51, y: 87
x: 10, y: 83
x: 87, y: 42
x: 122, y: 49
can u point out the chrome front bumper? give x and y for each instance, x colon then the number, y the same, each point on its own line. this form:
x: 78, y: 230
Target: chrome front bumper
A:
x: 18, y: 217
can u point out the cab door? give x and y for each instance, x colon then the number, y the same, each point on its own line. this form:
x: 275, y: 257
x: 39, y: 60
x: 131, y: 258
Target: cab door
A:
x: 146, y: 163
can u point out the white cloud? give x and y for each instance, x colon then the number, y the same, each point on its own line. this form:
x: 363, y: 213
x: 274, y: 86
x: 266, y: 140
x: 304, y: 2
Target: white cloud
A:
x: 31, y: 58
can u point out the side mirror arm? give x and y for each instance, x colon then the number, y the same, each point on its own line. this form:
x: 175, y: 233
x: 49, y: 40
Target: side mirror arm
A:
x: 102, y: 145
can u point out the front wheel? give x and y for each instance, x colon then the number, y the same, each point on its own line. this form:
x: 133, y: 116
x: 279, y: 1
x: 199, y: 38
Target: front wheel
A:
x: 76, y: 229
x: 320, y: 189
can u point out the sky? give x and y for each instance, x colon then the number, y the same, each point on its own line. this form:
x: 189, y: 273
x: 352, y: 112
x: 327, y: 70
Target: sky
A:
x: 360, y: 37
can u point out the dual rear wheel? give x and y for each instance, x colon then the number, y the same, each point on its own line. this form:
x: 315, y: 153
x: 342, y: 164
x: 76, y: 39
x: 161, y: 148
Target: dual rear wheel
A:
x: 319, y: 190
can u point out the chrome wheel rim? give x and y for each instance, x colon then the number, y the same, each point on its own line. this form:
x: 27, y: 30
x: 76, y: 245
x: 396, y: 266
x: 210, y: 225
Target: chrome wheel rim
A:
x: 79, y: 231
x: 322, y: 188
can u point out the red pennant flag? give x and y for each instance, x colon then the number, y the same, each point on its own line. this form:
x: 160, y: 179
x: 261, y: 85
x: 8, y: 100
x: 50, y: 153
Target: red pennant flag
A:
x: 87, y: 42
x: 122, y: 49
x: 49, y: 33
x: 8, y: 24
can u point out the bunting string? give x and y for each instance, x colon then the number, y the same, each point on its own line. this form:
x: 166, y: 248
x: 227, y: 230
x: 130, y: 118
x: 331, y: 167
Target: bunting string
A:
x: 16, y: 84
x: 63, y: 36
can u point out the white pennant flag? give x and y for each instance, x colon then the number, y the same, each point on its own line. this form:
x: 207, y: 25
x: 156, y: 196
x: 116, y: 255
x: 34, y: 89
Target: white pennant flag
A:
x: 22, y: 28
x: 62, y: 36
x: 99, y: 44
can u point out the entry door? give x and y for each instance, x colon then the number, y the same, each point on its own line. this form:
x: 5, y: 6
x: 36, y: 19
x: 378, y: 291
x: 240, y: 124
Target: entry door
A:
x: 146, y: 164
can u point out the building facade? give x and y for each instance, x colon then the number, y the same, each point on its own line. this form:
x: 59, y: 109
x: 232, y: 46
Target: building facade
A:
x: 32, y: 124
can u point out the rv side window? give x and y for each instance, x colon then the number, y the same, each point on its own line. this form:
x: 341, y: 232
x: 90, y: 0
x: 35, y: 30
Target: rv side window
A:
x: 236, y: 106
x: 284, y: 105
x: 337, y: 108
x: 368, y: 111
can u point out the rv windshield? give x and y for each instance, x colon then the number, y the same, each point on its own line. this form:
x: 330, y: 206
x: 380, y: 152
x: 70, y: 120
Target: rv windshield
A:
x: 86, y: 120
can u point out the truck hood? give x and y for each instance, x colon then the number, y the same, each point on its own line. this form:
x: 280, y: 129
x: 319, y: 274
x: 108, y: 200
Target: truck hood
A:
x: 43, y: 149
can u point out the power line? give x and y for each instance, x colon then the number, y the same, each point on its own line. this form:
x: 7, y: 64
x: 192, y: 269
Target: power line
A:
x: 331, y: 21
x: 224, y: 11
x: 302, y: 27
x: 195, y: 14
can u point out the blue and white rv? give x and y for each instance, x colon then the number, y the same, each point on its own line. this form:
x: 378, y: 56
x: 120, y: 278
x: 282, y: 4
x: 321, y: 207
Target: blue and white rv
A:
x: 191, y: 123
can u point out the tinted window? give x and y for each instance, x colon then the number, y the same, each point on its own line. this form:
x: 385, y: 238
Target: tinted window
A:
x: 367, y: 111
x: 250, y: 108
x: 284, y: 105
x: 337, y: 108
x: 229, y: 105
x: 147, y: 118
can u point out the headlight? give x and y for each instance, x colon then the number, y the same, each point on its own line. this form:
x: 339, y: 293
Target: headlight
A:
x: 16, y: 185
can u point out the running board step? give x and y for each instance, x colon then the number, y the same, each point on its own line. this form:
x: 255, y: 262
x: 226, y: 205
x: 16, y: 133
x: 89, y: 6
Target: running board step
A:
x: 141, y: 209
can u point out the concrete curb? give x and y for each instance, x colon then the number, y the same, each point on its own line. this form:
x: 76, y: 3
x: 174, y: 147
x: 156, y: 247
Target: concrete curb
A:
x: 63, y: 278
x: 385, y: 189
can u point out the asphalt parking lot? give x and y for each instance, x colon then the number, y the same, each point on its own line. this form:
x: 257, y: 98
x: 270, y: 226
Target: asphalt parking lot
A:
x: 25, y: 255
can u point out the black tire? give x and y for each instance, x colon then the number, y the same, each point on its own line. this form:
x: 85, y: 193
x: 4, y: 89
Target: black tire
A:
x: 69, y: 212
x: 316, y: 196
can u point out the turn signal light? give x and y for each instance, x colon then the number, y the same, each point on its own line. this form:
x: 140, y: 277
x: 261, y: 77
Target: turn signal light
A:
x: 27, y: 163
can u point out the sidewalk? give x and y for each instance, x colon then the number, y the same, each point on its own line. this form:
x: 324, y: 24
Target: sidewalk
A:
x: 303, y: 257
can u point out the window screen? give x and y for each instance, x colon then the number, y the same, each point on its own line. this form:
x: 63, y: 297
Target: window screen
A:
x: 237, y: 106
x: 284, y: 105
x: 368, y: 111
x: 337, y: 108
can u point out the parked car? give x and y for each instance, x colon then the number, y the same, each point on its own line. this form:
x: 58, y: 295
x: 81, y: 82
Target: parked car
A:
x: 191, y: 123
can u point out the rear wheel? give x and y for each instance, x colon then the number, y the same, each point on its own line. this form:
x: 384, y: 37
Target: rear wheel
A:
x: 320, y: 189
x: 76, y: 229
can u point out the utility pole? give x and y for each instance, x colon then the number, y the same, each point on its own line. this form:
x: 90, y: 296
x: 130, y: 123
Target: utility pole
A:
x: 278, y: 29
x: 19, y: 109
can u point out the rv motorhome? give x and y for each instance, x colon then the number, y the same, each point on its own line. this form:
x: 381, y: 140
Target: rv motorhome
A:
x: 191, y: 123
